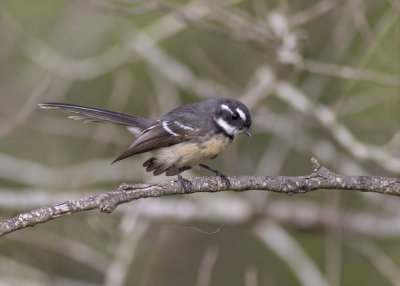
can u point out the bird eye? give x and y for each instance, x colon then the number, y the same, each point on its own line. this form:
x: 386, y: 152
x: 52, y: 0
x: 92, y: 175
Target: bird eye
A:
x: 235, y: 116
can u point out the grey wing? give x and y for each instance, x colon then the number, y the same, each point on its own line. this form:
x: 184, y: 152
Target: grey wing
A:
x: 94, y: 114
x: 161, y: 134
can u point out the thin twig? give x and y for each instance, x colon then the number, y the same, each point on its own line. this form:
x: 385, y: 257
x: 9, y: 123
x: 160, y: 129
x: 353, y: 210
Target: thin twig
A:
x: 132, y: 231
x: 377, y: 257
x: 348, y: 72
x: 206, y: 266
x: 27, y: 108
x: 305, y: 16
x: 287, y: 249
x: 143, y: 8
x: 327, y: 118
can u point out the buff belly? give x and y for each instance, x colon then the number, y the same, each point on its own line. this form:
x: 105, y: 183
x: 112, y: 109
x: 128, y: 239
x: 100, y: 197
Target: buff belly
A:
x: 186, y: 154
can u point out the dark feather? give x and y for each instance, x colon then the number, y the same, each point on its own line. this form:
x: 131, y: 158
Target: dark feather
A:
x: 149, y: 162
x: 94, y: 114
x: 152, y: 164
x: 155, y: 137
x: 161, y: 169
x: 171, y: 171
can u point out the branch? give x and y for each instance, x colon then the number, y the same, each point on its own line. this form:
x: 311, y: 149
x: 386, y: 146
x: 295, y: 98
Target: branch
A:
x: 321, y: 178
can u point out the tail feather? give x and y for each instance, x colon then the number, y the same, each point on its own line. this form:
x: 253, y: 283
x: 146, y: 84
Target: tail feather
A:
x: 95, y: 114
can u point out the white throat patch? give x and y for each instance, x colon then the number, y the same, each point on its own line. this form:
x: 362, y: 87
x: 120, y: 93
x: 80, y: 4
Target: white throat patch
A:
x: 231, y: 130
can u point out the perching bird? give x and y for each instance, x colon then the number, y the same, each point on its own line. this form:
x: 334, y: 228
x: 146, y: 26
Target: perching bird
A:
x: 178, y: 140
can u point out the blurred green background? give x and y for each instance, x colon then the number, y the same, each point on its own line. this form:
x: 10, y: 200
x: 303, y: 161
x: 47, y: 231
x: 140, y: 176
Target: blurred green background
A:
x: 321, y: 78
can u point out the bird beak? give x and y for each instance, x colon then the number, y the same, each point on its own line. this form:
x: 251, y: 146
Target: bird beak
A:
x: 247, y: 131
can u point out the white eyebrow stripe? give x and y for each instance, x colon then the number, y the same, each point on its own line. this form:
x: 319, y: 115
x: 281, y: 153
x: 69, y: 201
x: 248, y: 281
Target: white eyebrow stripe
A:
x: 166, y: 128
x: 226, y: 107
x: 183, y: 126
x: 241, y: 113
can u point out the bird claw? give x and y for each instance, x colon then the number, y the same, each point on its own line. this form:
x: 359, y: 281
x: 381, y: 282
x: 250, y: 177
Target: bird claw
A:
x: 219, y: 174
x: 186, y: 185
x: 224, y: 178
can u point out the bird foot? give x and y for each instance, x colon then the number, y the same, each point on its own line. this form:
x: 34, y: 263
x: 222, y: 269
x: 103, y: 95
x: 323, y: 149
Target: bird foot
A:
x: 223, y: 178
x: 219, y: 174
x: 186, y: 185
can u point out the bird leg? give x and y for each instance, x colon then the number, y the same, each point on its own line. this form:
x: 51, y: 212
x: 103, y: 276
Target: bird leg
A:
x: 186, y: 184
x: 219, y: 174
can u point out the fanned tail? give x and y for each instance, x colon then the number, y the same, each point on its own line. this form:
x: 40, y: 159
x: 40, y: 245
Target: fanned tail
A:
x: 94, y: 114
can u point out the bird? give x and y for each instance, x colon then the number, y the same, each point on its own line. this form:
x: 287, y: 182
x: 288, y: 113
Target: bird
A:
x: 178, y: 140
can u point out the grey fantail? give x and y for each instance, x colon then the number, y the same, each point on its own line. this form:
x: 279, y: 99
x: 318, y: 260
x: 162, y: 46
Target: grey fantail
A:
x: 178, y: 140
